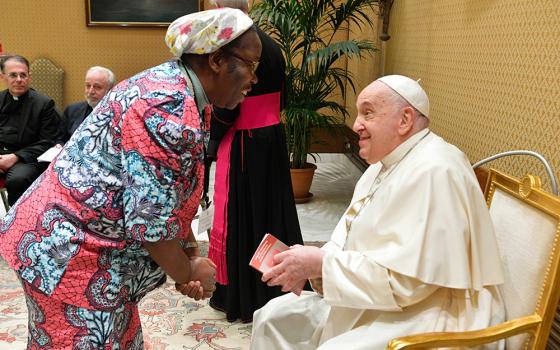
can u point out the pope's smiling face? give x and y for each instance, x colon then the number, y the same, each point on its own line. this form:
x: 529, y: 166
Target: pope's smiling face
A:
x: 377, y: 123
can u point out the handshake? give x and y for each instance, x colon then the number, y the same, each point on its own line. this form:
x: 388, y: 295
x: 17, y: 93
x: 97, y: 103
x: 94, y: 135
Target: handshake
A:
x: 202, y: 283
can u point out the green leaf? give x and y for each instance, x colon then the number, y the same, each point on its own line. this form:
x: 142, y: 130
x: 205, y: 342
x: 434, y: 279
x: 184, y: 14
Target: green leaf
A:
x: 304, y: 30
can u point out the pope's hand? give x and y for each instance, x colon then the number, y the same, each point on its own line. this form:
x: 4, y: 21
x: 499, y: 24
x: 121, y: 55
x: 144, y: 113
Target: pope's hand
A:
x: 293, y: 267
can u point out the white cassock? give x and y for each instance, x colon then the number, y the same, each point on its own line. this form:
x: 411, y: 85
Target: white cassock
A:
x: 419, y: 256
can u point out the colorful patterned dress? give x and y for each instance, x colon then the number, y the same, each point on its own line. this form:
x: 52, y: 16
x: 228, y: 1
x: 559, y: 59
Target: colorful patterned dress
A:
x: 132, y: 172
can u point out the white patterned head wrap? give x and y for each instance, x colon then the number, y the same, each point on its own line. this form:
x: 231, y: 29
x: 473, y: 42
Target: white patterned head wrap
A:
x: 206, y: 31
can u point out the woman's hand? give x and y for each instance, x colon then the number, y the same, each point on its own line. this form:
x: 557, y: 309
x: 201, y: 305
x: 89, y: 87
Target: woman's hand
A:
x: 191, y: 289
x: 195, y: 275
x: 204, y: 271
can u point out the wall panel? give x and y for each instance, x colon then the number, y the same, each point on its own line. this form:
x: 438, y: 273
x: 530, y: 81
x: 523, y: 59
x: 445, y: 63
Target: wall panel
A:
x: 491, y: 69
x: 57, y: 30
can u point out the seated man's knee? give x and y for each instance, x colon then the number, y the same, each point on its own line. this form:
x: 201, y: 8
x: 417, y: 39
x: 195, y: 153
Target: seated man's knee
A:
x: 19, y: 178
x: 20, y: 181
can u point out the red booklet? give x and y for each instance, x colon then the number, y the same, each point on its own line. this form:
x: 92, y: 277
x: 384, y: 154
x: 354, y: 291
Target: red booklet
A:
x: 269, y: 246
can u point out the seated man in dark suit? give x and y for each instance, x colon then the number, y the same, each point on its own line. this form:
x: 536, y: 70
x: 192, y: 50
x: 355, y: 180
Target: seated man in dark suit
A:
x: 29, y: 124
x: 99, y: 80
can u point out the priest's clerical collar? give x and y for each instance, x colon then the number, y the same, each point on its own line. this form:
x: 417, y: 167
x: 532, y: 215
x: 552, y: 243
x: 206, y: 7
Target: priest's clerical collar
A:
x: 402, y: 150
x: 18, y: 98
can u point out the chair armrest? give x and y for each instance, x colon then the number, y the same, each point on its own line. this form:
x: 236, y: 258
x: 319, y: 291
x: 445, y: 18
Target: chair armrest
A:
x: 469, y: 338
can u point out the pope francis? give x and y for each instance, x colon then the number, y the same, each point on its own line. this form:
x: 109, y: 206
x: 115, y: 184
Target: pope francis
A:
x: 414, y: 252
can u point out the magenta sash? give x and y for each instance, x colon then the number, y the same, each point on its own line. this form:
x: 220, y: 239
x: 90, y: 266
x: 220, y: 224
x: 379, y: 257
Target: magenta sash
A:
x: 255, y: 112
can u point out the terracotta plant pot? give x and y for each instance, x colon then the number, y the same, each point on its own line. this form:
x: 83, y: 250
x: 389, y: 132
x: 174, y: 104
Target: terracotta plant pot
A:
x: 301, y: 182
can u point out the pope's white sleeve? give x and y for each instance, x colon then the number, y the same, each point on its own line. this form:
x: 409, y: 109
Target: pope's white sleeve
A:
x: 409, y: 290
x: 354, y: 280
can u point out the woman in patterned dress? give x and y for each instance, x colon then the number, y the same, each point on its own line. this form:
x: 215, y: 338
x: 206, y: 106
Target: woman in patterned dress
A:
x: 111, y: 216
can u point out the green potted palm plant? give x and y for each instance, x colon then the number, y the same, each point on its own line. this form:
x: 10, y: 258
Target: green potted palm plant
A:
x: 308, y: 32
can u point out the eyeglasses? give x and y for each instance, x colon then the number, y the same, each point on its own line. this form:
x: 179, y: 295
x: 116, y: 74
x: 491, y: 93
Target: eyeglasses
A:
x: 14, y: 75
x: 253, y: 65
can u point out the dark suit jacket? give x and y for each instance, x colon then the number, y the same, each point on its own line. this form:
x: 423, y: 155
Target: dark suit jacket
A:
x: 40, y: 126
x: 72, y: 117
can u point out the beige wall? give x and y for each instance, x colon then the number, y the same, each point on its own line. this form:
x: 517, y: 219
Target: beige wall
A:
x: 57, y: 30
x: 491, y: 69
x: 366, y: 69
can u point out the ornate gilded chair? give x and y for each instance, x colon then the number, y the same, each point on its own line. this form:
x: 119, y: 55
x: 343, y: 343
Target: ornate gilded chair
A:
x: 48, y: 79
x: 527, y: 224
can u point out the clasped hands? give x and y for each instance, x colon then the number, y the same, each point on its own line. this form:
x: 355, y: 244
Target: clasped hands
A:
x: 293, y: 267
x: 196, y: 275
x: 203, y: 279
